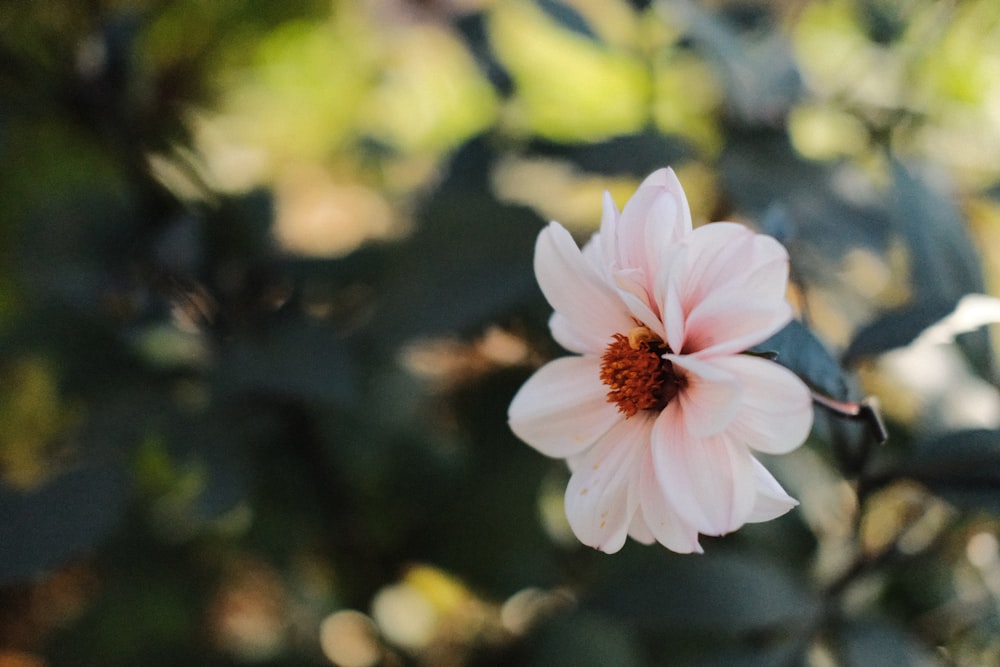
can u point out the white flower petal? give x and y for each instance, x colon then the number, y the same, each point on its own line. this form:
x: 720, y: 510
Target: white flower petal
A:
x: 568, y: 336
x: 776, y: 412
x: 662, y: 231
x: 658, y: 202
x: 638, y: 530
x: 591, y: 307
x: 728, y: 285
x: 710, y: 397
x: 709, y: 481
x: 772, y: 501
x: 601, y: 497
x: 562, y: 409
x: 636, y: 299
x: 608, y: 231
x: 731, y: 321
x: 659, y: 518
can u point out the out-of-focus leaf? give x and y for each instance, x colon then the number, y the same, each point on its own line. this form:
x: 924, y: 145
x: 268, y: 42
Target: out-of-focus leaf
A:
x: 945, y: 265
x: 784, y: 655
x: 636, y: 154
x: 497, y: 488
x: 962, y: 467
x: 471, y: 26
x: 864, y: 643
x: 944, y: 261
x: 209, y: 453
x: 469, y: 261
x: 64, y: 518
x: 585, y: 640
x: 757, y: 68
x: 716, y: 594
x: 292, y: 359
x: 801, y: 352
x: 146, y: 615
x: 430, y: 69
x: 567, y: 87
x: 895, y: 328
x: 567, y: 17
x: 828, y: 211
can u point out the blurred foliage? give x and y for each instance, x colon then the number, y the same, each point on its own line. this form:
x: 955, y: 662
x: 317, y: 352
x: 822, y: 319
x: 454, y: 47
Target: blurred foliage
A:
x: 266, y: 292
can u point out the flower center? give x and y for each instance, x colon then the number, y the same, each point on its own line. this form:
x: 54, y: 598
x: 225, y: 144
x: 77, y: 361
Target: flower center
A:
x: 636, y: 372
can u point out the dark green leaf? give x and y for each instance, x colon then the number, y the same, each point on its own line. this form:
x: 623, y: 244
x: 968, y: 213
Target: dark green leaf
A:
x: 635, y: 154
x: 294, y: 359
x: 585, y: 640
x: 895, y: 328
x: 803, y: 203
x: 469, y: 261
x: 945, y: 265
x: 785, y: 655
x: 801, y: 352
x: 864, y: 643
x: 567, y: 16
x: 64, y: 518
x: 718, y: 594
x: 963, y: 467
x: 756, y: 68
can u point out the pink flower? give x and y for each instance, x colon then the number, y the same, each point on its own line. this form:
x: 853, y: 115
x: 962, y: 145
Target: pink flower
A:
x: 660, y: 415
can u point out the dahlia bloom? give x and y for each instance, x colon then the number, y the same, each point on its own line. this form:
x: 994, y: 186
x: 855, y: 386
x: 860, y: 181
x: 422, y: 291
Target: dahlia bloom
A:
x: 659, y: 414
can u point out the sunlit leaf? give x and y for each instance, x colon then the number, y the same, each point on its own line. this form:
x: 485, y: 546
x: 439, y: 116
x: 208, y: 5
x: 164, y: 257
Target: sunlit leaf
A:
x: 568, y: 87
x: 432, y: 96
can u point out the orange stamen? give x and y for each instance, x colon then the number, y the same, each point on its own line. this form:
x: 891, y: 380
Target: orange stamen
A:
x: 637, y: 374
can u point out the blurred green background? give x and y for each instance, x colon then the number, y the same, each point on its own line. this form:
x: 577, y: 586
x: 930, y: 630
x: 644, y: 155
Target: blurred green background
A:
x: 266, y: 293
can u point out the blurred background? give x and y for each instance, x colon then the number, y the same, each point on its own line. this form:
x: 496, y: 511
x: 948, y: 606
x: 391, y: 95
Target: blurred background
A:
x: 266, y: 293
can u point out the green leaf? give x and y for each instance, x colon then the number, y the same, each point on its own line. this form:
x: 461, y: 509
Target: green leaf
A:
x: 296, y: 359
x: 68, y: 516
x: 469, y: 261
x: 874, y: 642
x: 634, y: 154
x: 802, y: 353
x: 756, y: 67
x: 895, y: 328
x: 585, y: 640
x: 801, y: 202
x: 719, y: 595
x: 962, y: 467
x: 784, y: 655
x: 945, y: 264
x: 567, y: 16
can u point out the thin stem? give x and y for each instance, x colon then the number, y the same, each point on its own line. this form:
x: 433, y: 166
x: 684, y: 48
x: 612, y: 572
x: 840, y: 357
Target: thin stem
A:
x: 866, y: 411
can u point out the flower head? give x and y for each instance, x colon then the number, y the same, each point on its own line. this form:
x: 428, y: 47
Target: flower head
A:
x: 658, y: 414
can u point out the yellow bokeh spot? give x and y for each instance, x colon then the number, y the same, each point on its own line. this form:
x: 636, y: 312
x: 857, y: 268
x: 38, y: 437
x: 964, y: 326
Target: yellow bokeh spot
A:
x: 825, y: 133
x: 34, y: 418
x: 431, y: 95
x: 568, y: 87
